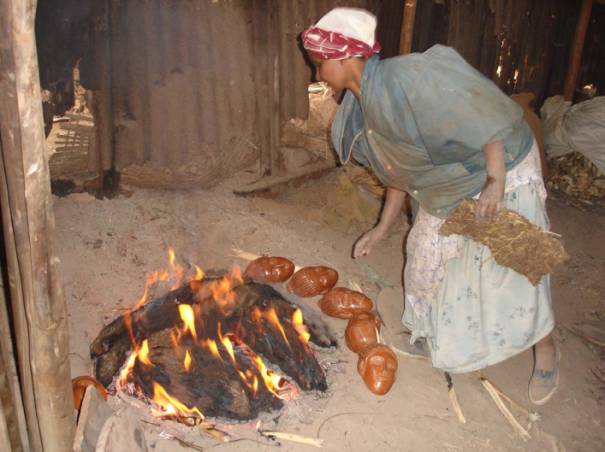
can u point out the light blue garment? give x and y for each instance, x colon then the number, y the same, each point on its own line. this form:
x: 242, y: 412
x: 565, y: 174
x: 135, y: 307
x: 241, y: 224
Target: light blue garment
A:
x: 422, y: 122
x: 484, y: 313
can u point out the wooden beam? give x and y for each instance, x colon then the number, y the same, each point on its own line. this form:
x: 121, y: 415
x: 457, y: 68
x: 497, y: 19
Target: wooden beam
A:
x: 575, y: 58
x: 39, y: 311
x: 407, y: 27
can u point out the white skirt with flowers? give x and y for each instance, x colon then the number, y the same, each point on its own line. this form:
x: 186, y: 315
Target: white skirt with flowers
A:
x: 472, y: 311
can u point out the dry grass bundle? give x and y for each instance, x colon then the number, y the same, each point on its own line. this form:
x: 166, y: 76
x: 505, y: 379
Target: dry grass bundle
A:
x: 513, y: 241
x: 578, y: 177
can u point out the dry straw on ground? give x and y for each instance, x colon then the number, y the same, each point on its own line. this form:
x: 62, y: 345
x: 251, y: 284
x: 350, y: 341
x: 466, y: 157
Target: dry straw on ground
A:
x: 513, y: 241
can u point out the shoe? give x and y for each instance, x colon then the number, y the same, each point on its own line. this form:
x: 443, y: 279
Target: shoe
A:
x: 544, y: 383
x: 417, y: 349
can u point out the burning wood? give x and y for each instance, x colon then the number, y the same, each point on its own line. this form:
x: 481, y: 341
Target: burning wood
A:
x: 204, y: 348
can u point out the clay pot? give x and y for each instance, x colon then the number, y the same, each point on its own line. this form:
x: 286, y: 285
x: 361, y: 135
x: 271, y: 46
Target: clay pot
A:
x: 79, y: 385
x: 377, y: 366
x: 312, y: 281
x: 361, y: 331
x: 270, y: 269
x: 344, y: 303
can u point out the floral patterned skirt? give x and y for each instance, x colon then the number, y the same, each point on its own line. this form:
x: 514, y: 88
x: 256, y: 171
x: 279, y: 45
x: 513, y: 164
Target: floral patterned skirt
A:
x: 472, y: 311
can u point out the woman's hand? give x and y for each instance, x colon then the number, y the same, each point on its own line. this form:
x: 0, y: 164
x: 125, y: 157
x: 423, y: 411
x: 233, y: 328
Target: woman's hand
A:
x: 490, y: 199
x: 366, y: 242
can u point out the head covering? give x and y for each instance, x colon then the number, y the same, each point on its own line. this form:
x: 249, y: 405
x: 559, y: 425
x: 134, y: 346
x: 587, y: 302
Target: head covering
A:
x: 342, y: 33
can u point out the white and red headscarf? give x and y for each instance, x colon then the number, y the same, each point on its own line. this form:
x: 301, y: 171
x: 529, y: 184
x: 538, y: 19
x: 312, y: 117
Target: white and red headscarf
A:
x: 342, y: 33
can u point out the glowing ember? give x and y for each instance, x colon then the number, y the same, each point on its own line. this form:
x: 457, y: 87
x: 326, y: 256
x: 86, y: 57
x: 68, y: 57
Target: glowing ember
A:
x: 188, y: 318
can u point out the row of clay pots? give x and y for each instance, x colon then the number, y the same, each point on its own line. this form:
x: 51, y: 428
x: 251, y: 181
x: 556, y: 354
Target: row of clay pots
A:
x: 306, y: 282
x: 377, y: 364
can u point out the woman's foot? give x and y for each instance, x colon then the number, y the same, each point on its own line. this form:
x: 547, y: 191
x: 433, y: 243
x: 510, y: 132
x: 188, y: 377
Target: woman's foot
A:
x: 545, y: 376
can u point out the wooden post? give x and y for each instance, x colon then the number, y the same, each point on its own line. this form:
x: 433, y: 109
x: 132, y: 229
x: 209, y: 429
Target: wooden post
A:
x: 39, y: 311
x: 407, y: 27
x: 575, y: 58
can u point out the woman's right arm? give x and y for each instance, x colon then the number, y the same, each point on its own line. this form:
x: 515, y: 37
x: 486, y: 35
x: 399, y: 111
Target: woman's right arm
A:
x: 393, y: 204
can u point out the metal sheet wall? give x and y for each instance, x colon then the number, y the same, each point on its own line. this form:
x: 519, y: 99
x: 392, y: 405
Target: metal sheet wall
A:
x: 183, y: 86
x: 522, y: 45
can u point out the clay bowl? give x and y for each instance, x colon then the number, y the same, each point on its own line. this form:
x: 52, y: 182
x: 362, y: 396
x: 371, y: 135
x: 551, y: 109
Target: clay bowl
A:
x: 377, y: 366
x: 344, y: 303
x: 270, y: 269
x: 312, y: 281
x: 361, y: 331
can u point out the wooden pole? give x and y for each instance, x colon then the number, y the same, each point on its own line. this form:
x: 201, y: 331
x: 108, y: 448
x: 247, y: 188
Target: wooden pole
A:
x: 407, y: 27
x: 37, y: 302
x: 575, y: 58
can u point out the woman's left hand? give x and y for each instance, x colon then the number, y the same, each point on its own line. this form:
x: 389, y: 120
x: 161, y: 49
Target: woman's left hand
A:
x: 490, y: 199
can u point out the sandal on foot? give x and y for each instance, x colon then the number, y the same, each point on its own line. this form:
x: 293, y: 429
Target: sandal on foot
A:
x: 544, y: 383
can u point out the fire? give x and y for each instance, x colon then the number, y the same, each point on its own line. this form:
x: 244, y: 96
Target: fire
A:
x: 222, y: 292
x: 188, y: 318
x: 187, y: 361
x: 300, y: 327
x: 271, y: 379
x: 170, y: 406
x: 271, y: 316
x: 226, y: 343
x: 211, y: 345
x: 127, y: 369
x: 143, y: 354
x: 199, y: 274
x: 176, y: 271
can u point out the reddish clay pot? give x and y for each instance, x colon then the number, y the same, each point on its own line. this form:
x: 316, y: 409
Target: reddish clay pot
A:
x: 344, y: 303
x: 377, y: 366
x: 361, y: 331
x: 269, y: 269
x: 79, y: 385
x: 312, y: 281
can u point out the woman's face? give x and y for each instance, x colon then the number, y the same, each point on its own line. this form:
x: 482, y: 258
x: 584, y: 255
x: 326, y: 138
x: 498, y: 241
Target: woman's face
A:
x: 331, y: 72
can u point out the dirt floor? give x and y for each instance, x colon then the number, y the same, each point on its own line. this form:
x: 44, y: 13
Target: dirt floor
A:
x: 107, y: 247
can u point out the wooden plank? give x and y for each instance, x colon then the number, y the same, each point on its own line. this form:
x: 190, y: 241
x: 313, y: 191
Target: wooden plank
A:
x: 14, y: 422
x: 34, y: 281
x: 575, y: 57
x: 407, y: 27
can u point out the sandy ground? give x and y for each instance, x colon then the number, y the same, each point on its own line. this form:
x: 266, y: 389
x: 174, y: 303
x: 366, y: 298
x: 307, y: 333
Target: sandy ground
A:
x: 107, y: 247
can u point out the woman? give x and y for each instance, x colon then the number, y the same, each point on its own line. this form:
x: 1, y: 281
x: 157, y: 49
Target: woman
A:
x: 432, y: 126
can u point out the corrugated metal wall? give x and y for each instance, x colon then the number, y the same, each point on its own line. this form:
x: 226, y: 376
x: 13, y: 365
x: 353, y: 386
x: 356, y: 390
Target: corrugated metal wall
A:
x: 183, y: 85
x: 200, y: 88
x: 522, y: 45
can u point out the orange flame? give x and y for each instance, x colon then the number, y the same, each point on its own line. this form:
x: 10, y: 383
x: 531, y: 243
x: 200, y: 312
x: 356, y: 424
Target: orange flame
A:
x: 271, y: 379
x: 300, y: 327
x: 227, y: 343
x: 199, y: 274
x: 271, y: 316
x: 176, y: 271
x: 171, y: 406
x: 187, y: 361
x: 126, y: 370
x: 211, y: 345
x: 143, y: 354
x: 249, y: 380
x: 188, y: 318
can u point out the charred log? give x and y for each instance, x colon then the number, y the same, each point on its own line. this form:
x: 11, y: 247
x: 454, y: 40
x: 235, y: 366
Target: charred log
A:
x: 220, y: 382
